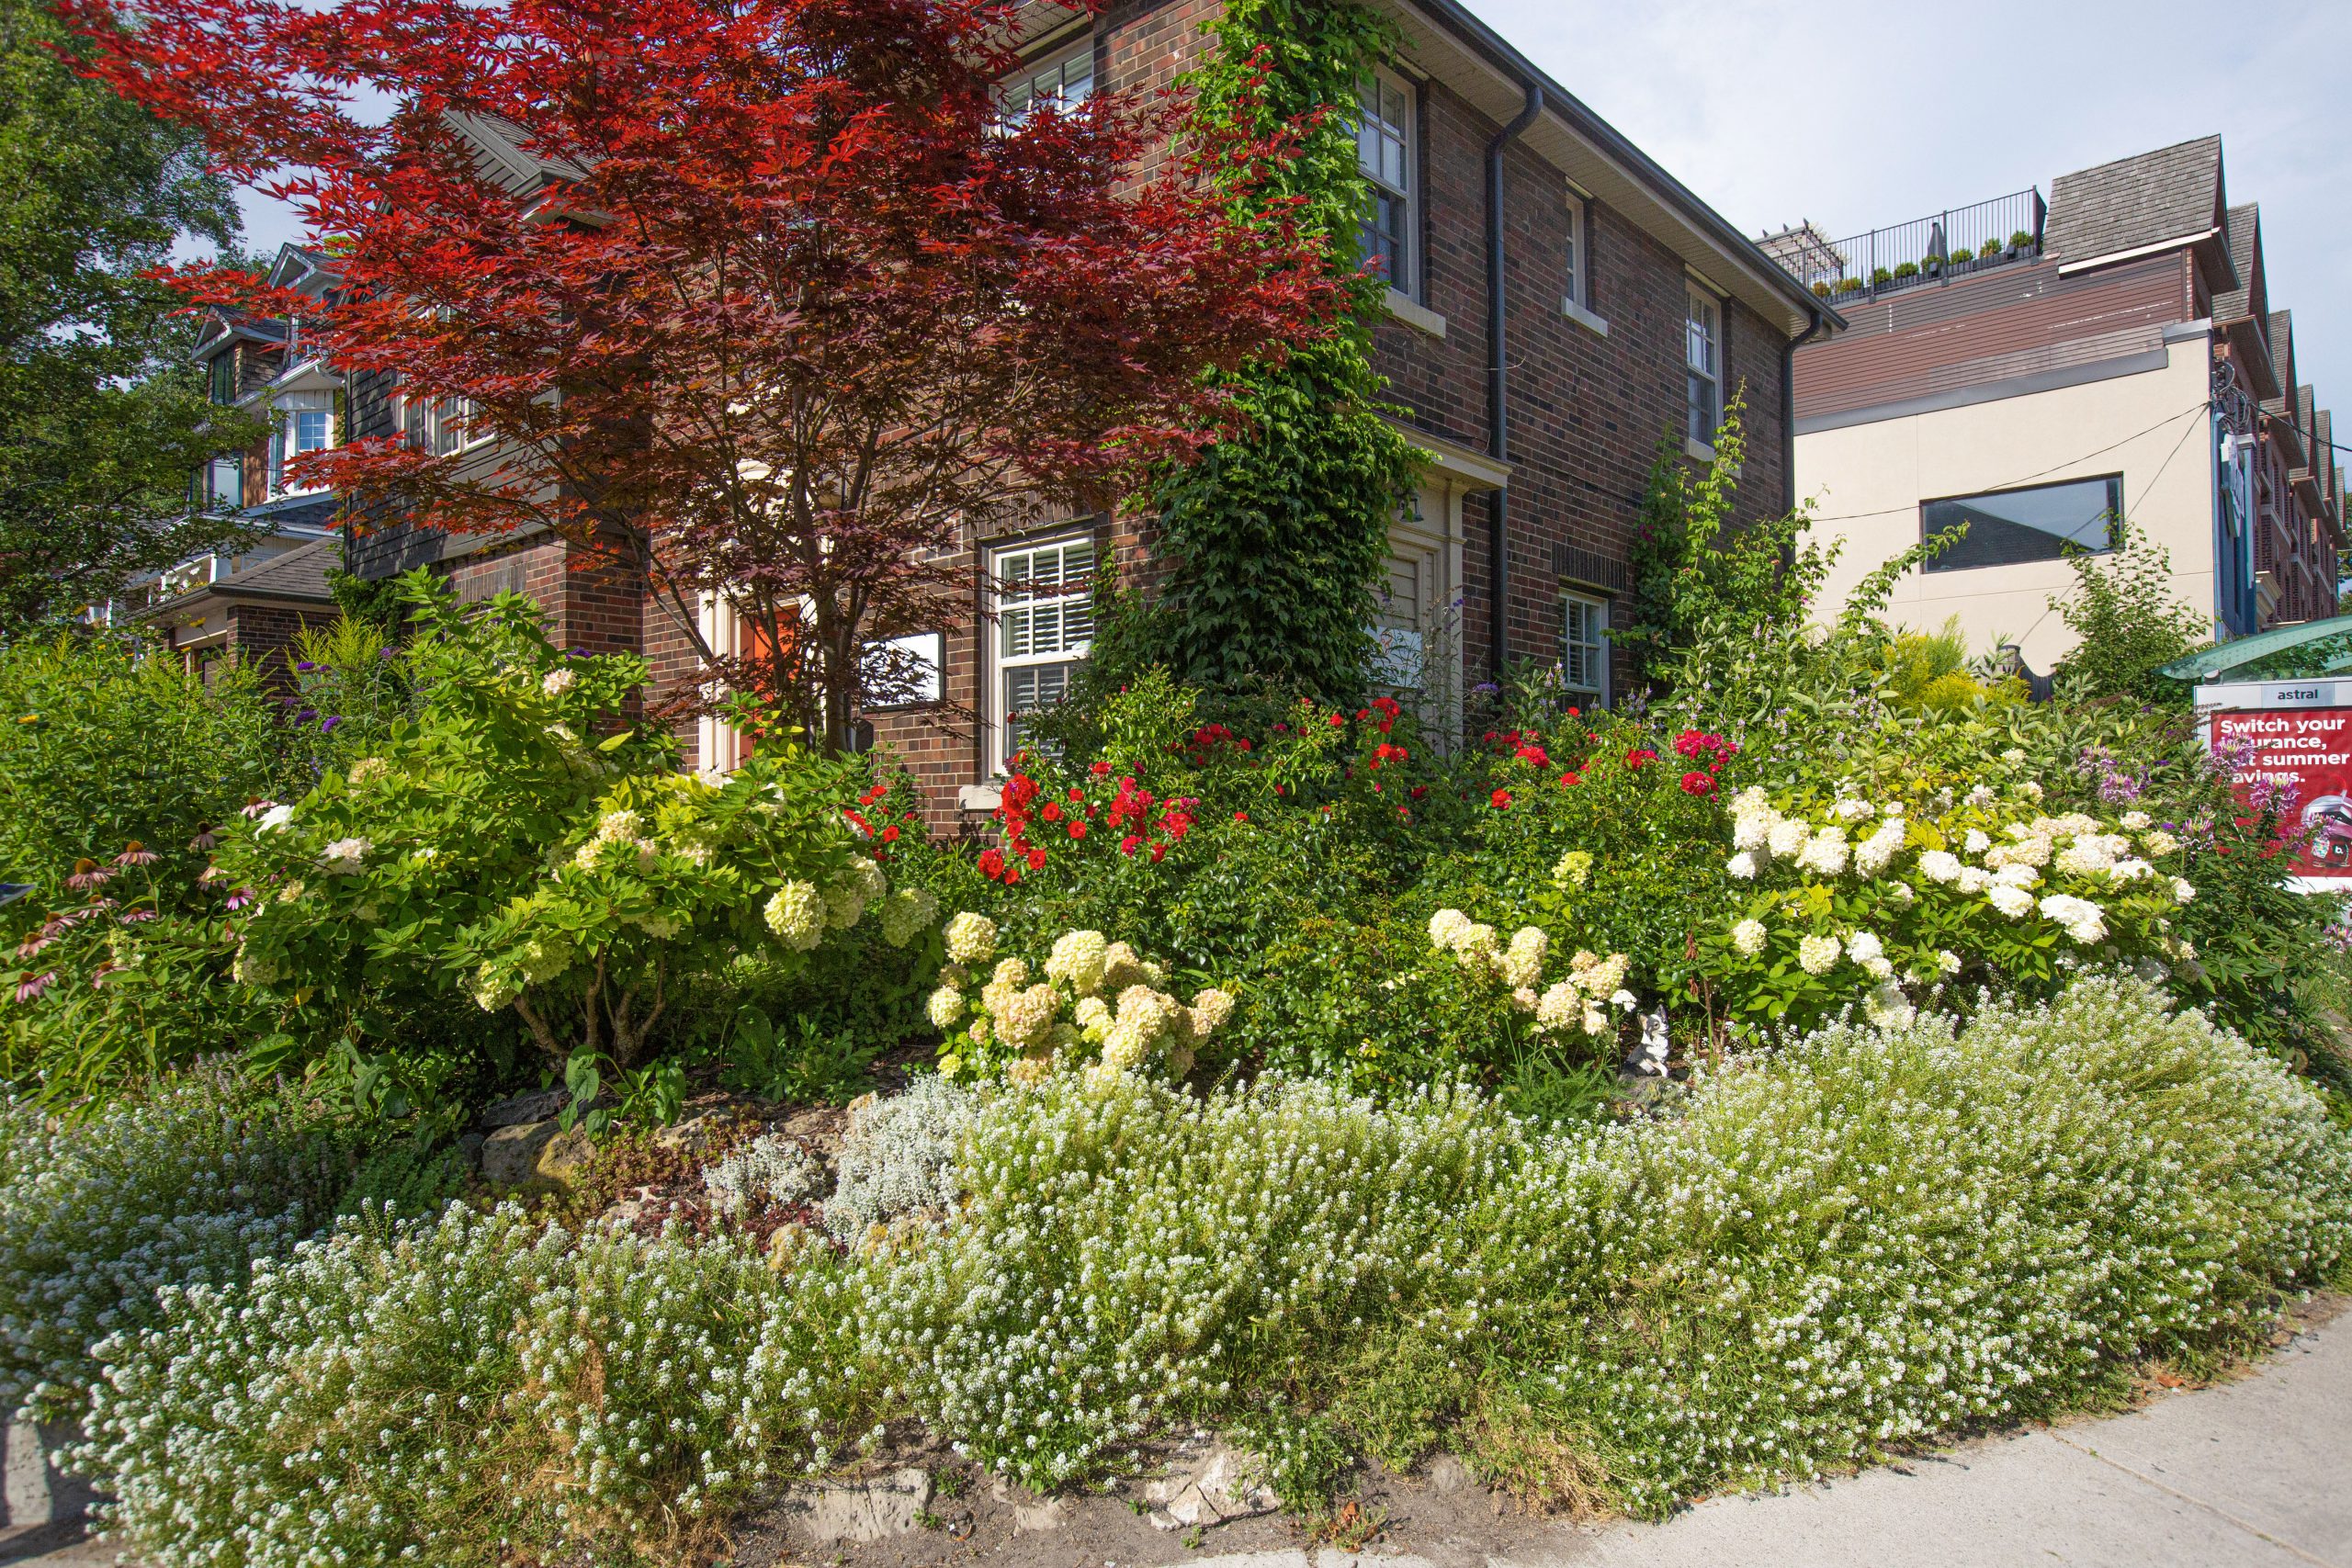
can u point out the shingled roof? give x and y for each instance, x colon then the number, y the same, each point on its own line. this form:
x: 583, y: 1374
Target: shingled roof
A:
x: 2245, y: 230
x: 2173, y: 193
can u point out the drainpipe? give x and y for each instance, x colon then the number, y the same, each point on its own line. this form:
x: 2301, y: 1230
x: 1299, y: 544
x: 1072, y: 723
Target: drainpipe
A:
x: 1789, y: 412
x: 1499, y: 378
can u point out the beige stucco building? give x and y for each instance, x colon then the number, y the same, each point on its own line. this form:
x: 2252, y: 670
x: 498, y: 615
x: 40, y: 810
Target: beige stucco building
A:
x: 2042, y: 374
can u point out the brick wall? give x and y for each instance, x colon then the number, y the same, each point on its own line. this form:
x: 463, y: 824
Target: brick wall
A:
x: 260, y: 637
x: 1587, y: 410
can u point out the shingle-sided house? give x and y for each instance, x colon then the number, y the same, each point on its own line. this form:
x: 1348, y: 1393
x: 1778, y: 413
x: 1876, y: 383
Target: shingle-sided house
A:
x: 1559, y: 303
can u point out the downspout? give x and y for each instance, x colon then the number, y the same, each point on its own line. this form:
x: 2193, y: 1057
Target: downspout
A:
x: 1498, y: 381
x: 1789, y: 411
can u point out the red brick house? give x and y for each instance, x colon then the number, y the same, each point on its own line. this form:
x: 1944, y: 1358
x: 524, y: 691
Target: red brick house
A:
x: 1559, y: 303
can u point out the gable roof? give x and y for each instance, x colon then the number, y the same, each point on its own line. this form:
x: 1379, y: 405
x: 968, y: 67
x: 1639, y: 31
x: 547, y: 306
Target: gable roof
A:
x: 499, y: 149
x: 2244, y: 228
x: 2143, y: 202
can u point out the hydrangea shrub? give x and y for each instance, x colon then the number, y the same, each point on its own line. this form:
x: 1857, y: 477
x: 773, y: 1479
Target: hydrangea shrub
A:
x: 494, y: 844
x: 1885, y: 900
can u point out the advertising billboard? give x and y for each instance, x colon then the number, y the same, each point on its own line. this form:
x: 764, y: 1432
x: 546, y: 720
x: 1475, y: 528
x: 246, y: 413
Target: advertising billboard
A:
x: 2293, y: 733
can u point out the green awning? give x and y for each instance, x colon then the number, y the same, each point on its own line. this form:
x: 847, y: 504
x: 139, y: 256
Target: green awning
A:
x: 2222, y: 658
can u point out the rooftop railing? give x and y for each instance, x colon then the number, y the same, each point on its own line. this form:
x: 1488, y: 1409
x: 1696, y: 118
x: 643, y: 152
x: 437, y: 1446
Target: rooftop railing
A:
x: 1935, y: 249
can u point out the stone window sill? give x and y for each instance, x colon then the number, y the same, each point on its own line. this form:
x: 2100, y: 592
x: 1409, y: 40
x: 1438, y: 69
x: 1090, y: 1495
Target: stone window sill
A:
x: 1415, y: 314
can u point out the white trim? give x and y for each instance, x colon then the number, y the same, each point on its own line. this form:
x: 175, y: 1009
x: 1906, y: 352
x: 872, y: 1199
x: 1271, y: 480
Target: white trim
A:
x: 1473, y: 469
x: 995, y: 664
x: 717, y: 744
x: 1409, y: 135
x: 1413, y: 313
x: 1600, y: 649
x: 2065, y: 268
x: 1698, y: 450
x: 1583, y: 318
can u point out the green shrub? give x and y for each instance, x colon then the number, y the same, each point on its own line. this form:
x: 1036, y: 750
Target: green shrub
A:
x: 103, y: 742
x: 492, y: 845
x: 182, y: 1185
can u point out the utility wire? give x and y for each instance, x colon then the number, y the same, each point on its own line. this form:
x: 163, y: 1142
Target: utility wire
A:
x: 2010, y: 484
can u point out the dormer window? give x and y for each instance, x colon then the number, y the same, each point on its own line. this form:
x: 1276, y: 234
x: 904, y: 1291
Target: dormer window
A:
x: 222, y: 367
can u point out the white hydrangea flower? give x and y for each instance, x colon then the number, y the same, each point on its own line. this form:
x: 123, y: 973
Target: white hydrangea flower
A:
x: 1848, y: 810
x: 1748, y: 937
x: 2084, y: 920
x: 2131, y: 869
x: 1751, y: 825
x: 1027, y: 1015
x: 1886, y: 1007
x: 2010, y: 898
x: 2182, y: 890
x: 1743, y: 865
x: 971, y: 939
x: 1981, y: 794
x: 796, y: 914
x: 555, y: 682
x: 1948, y: 961
x: 1212, y: 1007
x: 1977, y: 843
x: 1940, y: 865
x: 1522, y: 963
x: 2016, y: 874
x: 345, y: 856
x: 1875, y: 853
x: 1523, y: 998
x: 1817, y: 955
x: 1972, y: 880
x: 1092, y: 1015
x: 1558, y: 1007
x: 1864, y: 946
x: 943, y: 1006
x: 1787, y: 837
x: 2158, y: 844
x: 1824, y: 853
x: 277, y: 817
x: 1077, y: 961
x: 1904, y: 894
x: 2014, y: 754
x: 1446, y: 929
x: 907, y: 912
x: 2133, y: 821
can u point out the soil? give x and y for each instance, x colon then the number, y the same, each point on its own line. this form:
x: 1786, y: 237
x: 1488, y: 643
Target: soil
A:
x: 1441, y: 1513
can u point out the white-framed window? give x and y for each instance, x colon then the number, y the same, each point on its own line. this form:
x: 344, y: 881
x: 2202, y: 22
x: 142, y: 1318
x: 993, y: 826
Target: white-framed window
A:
x: 1387, y: 156
x: 1045, y: 626
x: 448, y: 426
x: 300, y: 430
x: 1584, y: 648
x: 1061, y: 82
x: 1575, y: 258
x: 1702, y: 358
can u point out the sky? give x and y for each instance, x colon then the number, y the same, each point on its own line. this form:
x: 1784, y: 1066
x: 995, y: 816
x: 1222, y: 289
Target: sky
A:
x: 1775, y: 112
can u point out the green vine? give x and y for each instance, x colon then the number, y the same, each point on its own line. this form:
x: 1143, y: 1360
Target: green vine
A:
x: 1275, y: 541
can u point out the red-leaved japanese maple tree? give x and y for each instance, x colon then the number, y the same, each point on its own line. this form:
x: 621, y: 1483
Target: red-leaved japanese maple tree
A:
x: 785, y: 305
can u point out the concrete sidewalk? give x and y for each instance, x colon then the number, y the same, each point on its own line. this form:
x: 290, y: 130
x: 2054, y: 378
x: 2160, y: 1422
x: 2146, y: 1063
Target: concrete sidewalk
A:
x: 2255, y: 1473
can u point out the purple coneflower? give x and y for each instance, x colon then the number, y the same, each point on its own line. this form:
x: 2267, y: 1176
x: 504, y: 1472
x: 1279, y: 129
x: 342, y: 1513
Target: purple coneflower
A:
x: 87, y: 874
x: 135, y: 853
x: 205, y: 838
x: 256, y: 806
x: 137, y: 917
x: 31, y: 986
x: 239, y: 898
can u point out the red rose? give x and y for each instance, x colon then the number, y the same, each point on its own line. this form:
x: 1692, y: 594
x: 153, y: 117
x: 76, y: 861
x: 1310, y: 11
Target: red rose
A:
x: 1533, y: 756
x: 1241, y: 816
x: 1011, y: 874
x: 1128, y: 845
x: 1051, y: 811
x: 1419, y: 790
x: 1100, y: 769
x: 1639, y: 755
x: 890, y: 834
x: 1078, y: 829
x: 1037, y: 859
x: 1570, y: 779
x: 1158, y: 851
x: 1698, y: 784
x: 991, y: 863
x: 1499, y: 800
x: 1336, y: 721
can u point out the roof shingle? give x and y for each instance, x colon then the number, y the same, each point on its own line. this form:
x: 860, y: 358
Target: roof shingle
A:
x: 2172, y: 193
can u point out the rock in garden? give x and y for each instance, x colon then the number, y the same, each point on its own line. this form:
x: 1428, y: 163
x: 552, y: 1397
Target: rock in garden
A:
x: 1208, y: 1488
x: 829, y: 1512
x: 523, y: 1108
x: 509, y: 1156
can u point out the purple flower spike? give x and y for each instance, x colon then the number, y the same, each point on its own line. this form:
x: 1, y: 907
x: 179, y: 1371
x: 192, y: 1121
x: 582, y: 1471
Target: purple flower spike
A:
x: 306, y: 667
x: 388, y: 653
x: 306, y: 715
x: 327, y: 727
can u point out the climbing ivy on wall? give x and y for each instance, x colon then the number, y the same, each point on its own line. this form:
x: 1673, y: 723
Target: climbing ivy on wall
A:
x: 1275, y: 540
